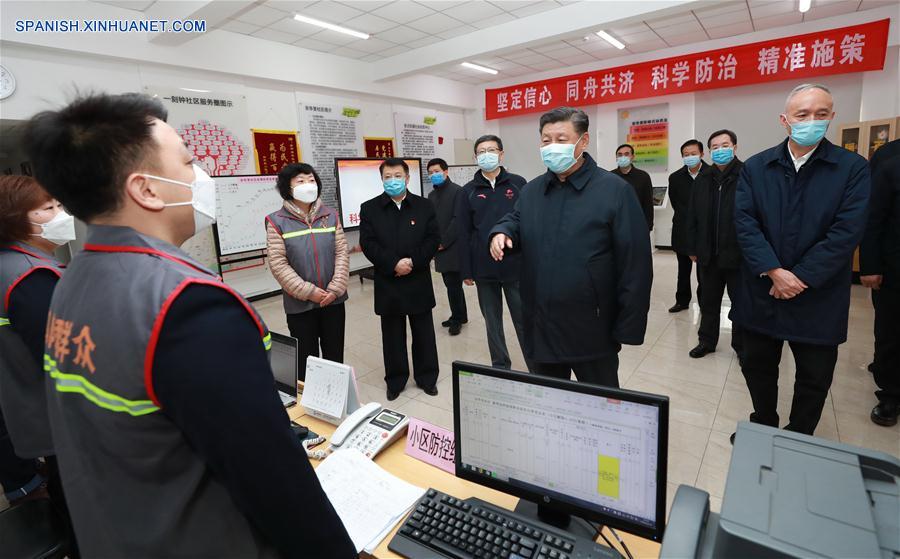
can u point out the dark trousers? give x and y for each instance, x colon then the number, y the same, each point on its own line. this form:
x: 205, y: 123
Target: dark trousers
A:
x: 714, y: 281
x: 55, y: 490
x: 456, y: 297
x: 17, y: 475
x: 490, y: 300
x: 603, y: 371
x: 683, y: 290
x: 322, y: 326
x: 815, y: 370
x: 424, y: 350
x: 886, y: 366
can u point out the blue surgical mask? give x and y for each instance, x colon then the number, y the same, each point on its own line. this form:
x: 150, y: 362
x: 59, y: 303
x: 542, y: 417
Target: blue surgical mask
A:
x: 394, y: 186
x: 559, y: 158
x: 623, y: 162
x: 691, y: 161
x: 722, y: 156
x: 488, y: 161
x: 809, y: 132
x: 437, y: 179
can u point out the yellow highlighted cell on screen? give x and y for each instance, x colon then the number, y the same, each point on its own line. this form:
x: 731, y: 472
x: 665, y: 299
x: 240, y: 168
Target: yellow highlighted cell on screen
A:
x: 608, y: 476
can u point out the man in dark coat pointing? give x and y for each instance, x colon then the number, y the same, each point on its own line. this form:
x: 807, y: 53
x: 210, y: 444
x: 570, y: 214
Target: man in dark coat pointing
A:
x: 586, y: 267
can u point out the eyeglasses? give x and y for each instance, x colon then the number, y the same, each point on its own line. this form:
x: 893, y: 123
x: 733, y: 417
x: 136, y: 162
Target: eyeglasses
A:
x: 494, y: 151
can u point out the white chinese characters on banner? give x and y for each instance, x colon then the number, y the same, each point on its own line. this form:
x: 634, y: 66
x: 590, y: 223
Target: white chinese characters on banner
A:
x: 794, y: 57
x: 572, y: 90
x: 608, y: 86
x: 626, y: 82
x: 768, y: 61
x: 821, y: 55
x: 703, y: 70
x: 513, y: 100
x: 546, y: 96
x: 851, y: 48
x: 727, y: 67
x: 681, y: 72
x: 590, y: 87
x: 659, y: 77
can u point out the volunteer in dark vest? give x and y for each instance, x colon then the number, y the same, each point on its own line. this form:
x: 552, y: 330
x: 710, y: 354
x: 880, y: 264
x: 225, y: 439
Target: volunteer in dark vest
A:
x: 308, y: 257
x: 32, y: 226
x: 170, y: 436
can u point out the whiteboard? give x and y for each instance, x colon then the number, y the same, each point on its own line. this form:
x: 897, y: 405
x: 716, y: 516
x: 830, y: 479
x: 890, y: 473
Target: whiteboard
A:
x: 462, y: 174
x: 358, y: 181
x: 242, y: 204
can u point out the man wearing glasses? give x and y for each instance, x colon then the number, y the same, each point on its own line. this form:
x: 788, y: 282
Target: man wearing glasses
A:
x: 489, y: 196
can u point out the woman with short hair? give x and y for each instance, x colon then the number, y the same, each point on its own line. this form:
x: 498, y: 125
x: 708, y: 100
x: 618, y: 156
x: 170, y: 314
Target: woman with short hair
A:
x: 308, y: 257
x: 32, y: 226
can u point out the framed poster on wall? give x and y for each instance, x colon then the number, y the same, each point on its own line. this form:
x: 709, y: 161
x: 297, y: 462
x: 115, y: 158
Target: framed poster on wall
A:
x: 878, y: 133
x: 850, y: 137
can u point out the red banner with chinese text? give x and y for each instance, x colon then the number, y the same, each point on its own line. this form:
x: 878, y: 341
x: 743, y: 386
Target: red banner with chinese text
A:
x: 858, y: 48
x: 274, y: 149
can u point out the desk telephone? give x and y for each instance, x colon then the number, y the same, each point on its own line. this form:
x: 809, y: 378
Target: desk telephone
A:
x: 369, y: 436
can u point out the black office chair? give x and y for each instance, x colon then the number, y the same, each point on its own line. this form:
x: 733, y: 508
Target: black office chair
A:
x: 32, y: 530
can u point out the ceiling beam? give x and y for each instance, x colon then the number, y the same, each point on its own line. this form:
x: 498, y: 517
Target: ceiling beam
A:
x: 214, y: 13
x: 582, y: 17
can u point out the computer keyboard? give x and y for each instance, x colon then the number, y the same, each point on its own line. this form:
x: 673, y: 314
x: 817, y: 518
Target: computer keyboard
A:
x: 443, y: 526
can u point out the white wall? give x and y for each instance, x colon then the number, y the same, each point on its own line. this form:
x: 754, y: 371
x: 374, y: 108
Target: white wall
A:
x: 752, y: 111
x: 48, y: 79
x: 522, y: 144
x: 880, y: 98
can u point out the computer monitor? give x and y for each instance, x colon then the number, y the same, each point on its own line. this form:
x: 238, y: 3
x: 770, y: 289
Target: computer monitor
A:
x: 577, y: 449
x: 284, y: 366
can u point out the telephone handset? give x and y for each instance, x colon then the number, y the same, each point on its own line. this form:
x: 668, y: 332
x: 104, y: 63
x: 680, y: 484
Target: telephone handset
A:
x: 369, y: 429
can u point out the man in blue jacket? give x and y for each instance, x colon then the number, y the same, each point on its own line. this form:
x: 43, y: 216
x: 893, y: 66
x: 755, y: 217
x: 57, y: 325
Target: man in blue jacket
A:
x: 800, y: 211
x: 586, y: 267
x: 491, y: 194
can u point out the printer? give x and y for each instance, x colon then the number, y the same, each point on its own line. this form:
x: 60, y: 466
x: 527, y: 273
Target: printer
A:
x: 792, y: 495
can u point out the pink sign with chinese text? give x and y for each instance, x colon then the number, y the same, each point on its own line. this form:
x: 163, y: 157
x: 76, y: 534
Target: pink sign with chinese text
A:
x: 832, y: 51
x: 431, y: 444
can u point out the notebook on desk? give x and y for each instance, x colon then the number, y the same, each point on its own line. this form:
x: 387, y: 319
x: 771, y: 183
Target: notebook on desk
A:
x: 369, y: 500
x: 284, y: 355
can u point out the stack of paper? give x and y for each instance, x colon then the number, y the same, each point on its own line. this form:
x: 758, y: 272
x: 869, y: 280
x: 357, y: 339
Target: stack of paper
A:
x: 369, y: 500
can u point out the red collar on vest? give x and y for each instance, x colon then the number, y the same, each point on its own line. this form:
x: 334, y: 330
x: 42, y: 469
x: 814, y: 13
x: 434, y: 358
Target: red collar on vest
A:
x: 143, y: 250
x: 29, y: 253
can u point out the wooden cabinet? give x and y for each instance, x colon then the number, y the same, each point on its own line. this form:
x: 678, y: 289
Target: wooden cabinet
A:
x: 865, y: 138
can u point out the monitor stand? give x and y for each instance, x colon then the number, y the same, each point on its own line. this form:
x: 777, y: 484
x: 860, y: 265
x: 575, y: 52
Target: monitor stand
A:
x: 564, y: 521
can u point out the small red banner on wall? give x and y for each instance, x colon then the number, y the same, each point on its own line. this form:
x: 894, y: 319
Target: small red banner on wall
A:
x: 274, y: 149
x: 858, y: 48
x: 379, y: 147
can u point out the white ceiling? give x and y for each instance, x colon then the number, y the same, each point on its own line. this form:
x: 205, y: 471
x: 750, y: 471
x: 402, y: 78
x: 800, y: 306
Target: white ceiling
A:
x: 398, y: 26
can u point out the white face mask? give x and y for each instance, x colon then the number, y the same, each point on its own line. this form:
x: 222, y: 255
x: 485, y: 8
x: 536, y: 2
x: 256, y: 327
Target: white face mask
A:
x: 59, y: 230
x: 306, y: 192
x: 203, y: 199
